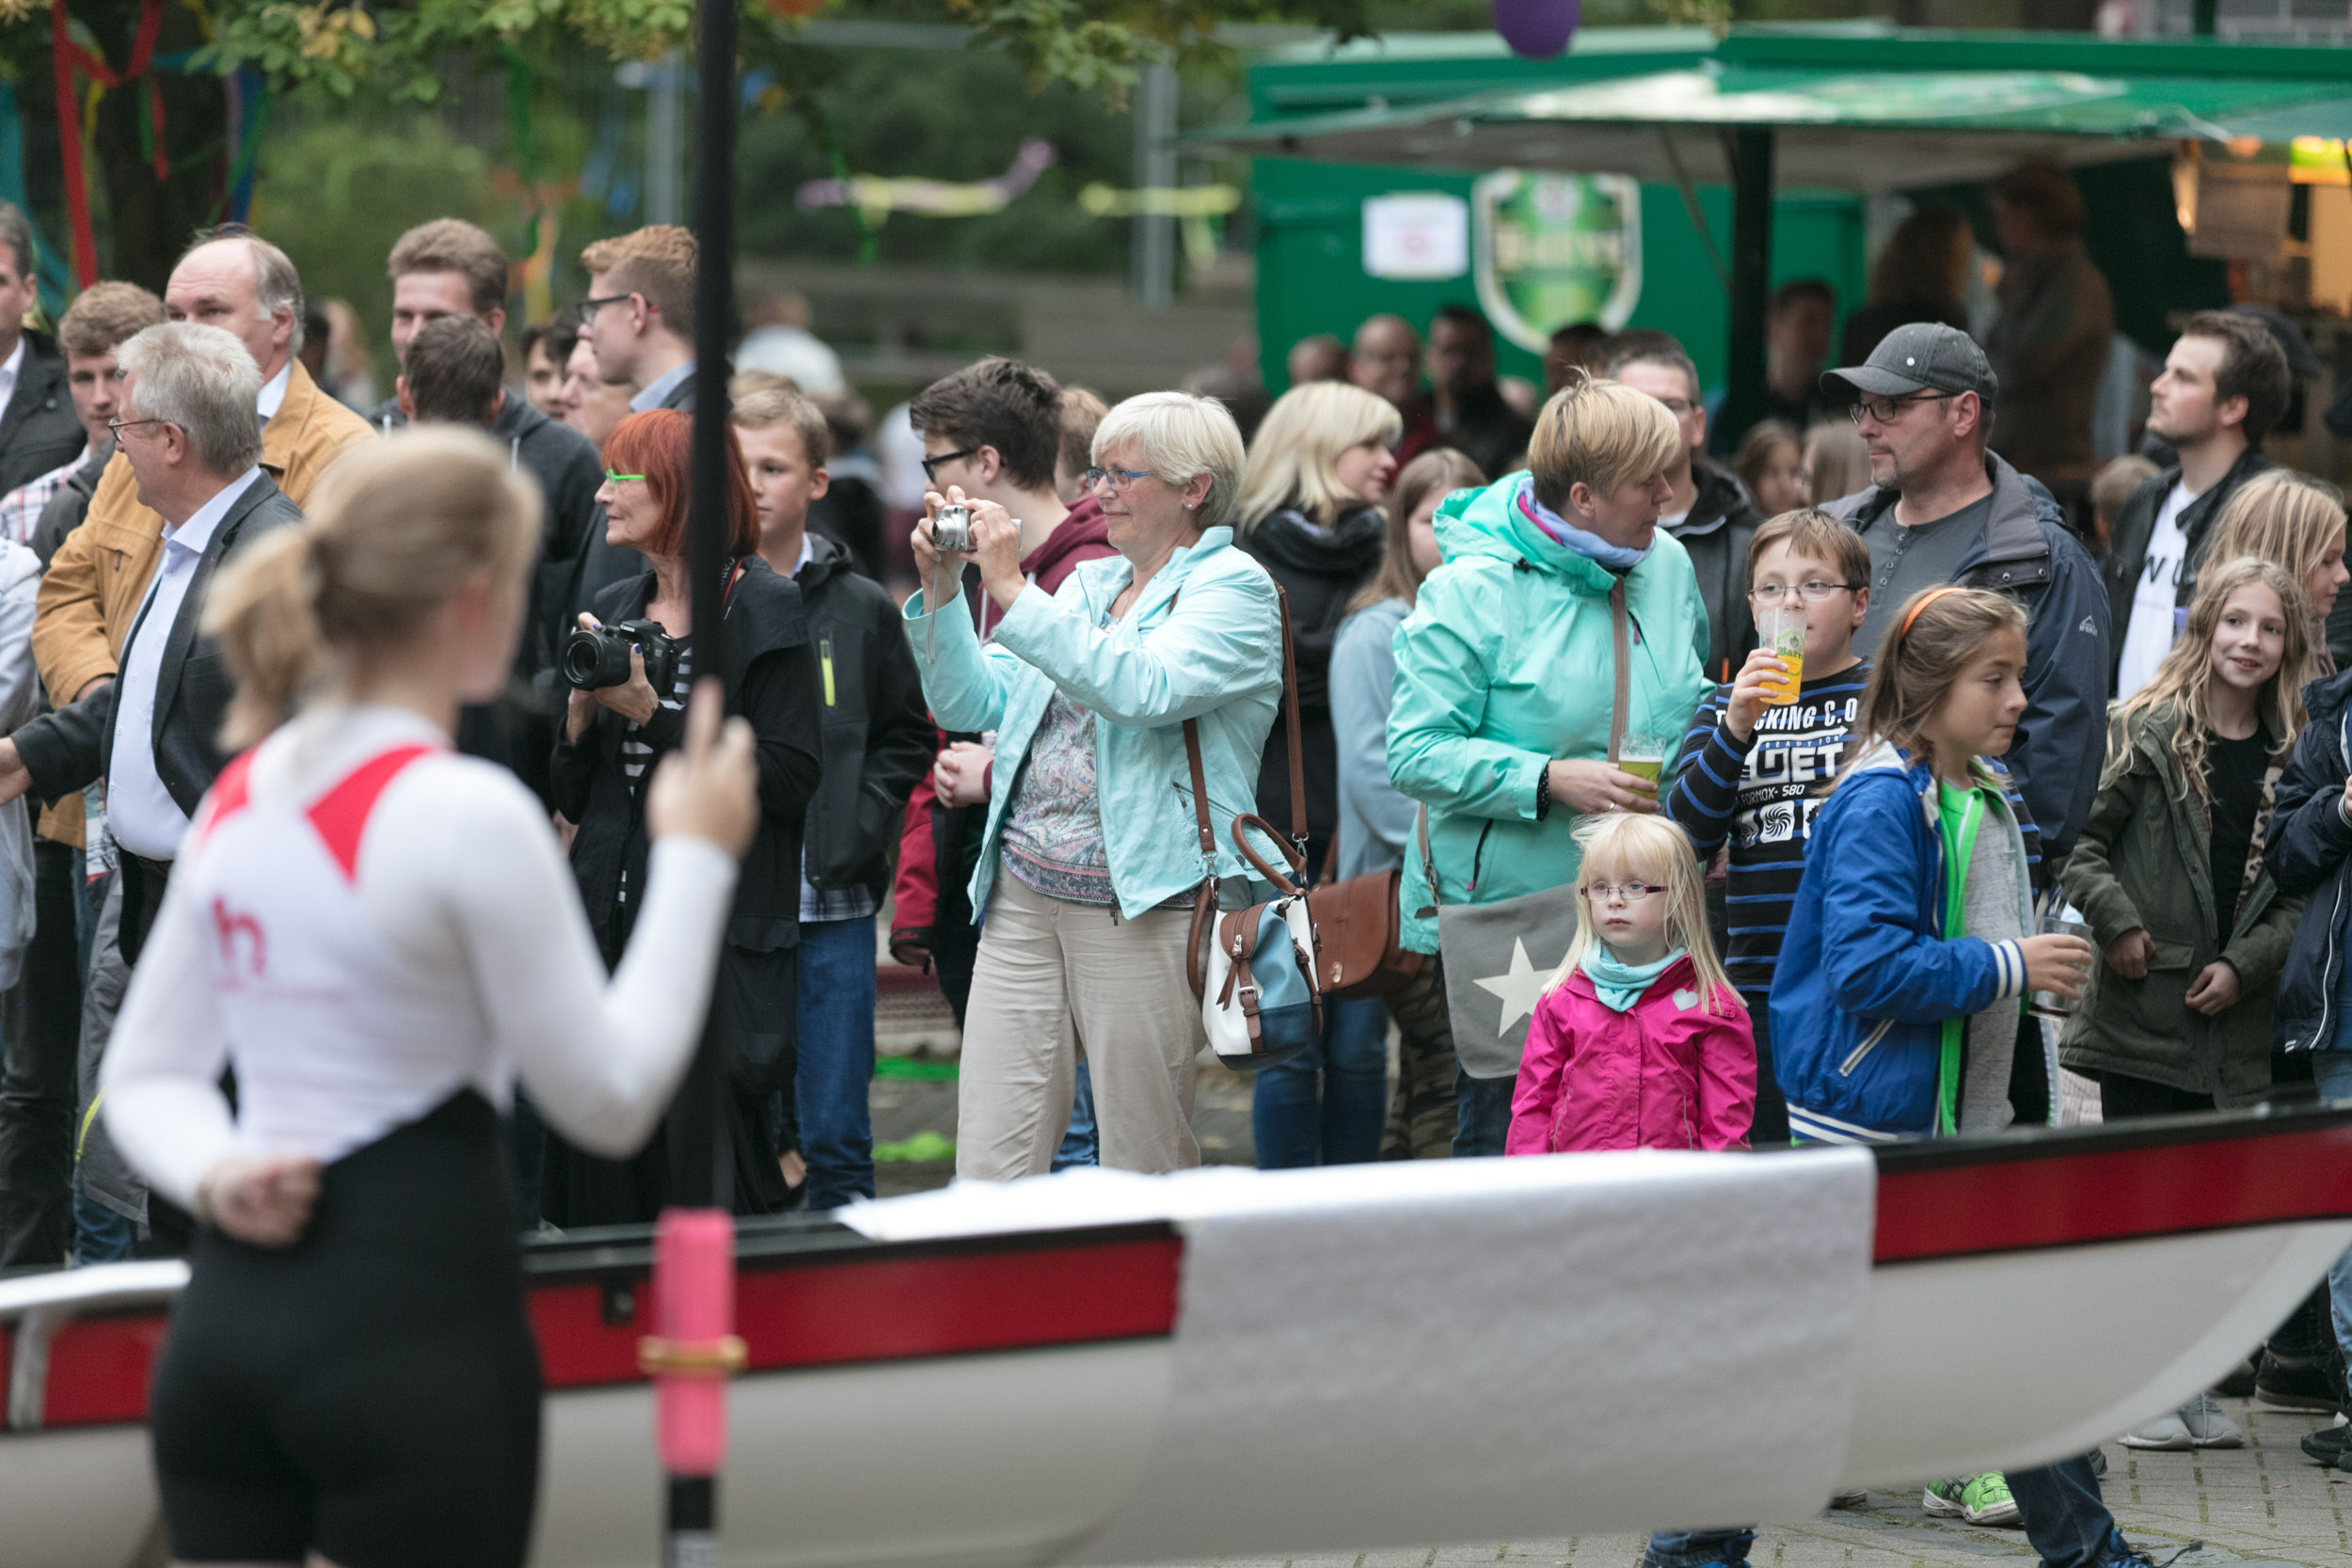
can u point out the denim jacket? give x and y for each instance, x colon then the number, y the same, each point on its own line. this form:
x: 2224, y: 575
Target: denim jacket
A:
x: 1204, y: 641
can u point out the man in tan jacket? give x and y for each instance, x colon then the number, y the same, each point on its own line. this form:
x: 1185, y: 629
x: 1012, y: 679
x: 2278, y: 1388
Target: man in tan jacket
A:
x: 228, y: 279
x: 90, y: 598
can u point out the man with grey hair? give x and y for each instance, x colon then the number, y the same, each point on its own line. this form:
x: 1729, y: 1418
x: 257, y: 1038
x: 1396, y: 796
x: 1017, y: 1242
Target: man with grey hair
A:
x: 37, y: 427
x: 233, y: 280
x: 190, y: 441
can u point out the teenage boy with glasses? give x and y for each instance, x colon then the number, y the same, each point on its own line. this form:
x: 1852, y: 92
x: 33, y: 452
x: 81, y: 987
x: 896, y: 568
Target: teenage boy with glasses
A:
x: 1943, y: 509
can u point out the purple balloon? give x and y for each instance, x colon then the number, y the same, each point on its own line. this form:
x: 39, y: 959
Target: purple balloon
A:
x: 1537, y: 29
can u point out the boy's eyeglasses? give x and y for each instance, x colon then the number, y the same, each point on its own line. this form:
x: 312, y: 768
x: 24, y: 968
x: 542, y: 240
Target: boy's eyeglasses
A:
x: 611, y: 478
x: 931, y: 464
x: 1610, y: 892
x: 1812, y: 593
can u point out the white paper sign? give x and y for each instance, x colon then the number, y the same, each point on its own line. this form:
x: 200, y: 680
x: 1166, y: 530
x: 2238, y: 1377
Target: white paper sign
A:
x: 1418, y: 236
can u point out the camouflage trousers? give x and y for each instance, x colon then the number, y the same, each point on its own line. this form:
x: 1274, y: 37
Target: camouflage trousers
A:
x: 1422, y: 1113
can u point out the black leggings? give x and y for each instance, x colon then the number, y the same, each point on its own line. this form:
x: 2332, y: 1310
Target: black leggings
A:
x: 370, y: 1393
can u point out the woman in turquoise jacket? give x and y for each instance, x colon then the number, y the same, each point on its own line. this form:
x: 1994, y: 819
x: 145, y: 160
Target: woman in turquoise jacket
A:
x: 1091, y: 858
x: 1504, y: 683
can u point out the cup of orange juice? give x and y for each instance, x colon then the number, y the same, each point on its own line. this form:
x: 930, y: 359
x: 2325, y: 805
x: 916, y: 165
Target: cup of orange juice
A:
x: 1780, y: 631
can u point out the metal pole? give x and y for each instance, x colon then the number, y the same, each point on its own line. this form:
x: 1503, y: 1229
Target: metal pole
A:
x: 1156, y: 170
x: 692, y: 1444
x: 1751, y: 277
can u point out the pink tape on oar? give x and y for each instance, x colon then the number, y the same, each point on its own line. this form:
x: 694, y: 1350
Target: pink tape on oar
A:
x: 694, y: 1349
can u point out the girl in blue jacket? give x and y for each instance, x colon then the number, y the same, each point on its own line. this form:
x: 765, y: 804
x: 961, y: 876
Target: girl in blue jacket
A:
x: 1909, y: 946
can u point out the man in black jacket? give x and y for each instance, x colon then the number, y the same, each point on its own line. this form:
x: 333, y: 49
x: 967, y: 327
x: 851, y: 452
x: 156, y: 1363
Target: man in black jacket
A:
x: 1710, y: 513
x: 877, y: 741
x: 39, y: 429
x: 1471, y: 413
x: 192, y: 439
x: 2224, y: 384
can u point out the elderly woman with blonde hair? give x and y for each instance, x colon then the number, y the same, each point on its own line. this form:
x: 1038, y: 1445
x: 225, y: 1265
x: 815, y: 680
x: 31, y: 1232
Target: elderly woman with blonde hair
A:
x: 1560, y: 641
x: 1091, y: 860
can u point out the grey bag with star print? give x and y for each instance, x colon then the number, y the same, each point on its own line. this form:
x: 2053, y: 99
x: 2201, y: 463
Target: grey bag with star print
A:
x: 1500, y: 956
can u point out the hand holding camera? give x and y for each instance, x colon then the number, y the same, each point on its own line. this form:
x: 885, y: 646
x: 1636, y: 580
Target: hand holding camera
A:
x: 625, y: 668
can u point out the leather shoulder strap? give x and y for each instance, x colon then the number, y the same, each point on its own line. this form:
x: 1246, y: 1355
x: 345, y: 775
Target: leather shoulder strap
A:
x: 1199, y: 794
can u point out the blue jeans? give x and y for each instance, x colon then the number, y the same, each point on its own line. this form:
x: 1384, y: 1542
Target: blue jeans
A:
x: 1697, y: 1549
x: 834, y: 1074
x: 2331, y: 1073
x: 1482, y: 1114
x: 1328, y: 1104
x: 100, y: 1234
x: 1079, y: 1145
x: 2066, y: 1519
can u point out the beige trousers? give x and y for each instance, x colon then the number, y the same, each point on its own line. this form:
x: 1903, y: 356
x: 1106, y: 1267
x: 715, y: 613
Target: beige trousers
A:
x: 1050, y: 974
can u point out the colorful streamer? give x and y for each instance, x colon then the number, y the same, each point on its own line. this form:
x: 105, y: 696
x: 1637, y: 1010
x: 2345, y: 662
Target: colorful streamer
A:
x: 67, y: 57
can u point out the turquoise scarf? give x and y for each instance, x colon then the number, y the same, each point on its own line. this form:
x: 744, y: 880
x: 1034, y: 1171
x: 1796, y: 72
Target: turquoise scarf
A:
x: 1619, y: 985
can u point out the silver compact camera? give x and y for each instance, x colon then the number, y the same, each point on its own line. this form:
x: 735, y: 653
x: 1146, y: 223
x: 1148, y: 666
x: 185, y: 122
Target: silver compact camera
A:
x: 951, y: 530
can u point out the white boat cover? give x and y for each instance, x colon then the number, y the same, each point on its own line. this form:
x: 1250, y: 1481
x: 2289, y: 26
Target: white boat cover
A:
x: 1331, y: 1317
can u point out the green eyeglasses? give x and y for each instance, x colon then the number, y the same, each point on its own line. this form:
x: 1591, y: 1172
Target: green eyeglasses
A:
x: 611, y: 478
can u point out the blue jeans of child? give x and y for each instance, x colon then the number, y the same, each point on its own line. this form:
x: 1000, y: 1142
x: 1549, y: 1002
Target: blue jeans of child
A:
x: 1482, y: 1114
x: 2331, y: 1074
x: 834, y: 1075
x: 1697, y: 1549
x: 1328, y: 1104
x: 2065, y: 1518
x: 1079, y: 1145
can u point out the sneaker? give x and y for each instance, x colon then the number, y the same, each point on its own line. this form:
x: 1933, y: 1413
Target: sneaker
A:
x: 2294, y: 1384
x: 2239, y: 1384
x: 2207, y: 1427
x: 2328, y: 1444
x: 2168, y: 1432
x: 1848, y: 1499
x: 1981, y: 1500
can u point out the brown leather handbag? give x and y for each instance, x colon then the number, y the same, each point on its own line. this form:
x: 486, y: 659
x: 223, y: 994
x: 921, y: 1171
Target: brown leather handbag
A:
x: 1356, y: 922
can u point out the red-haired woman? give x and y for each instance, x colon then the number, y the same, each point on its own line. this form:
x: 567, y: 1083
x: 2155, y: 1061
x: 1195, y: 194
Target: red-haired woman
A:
x: 613, y: 737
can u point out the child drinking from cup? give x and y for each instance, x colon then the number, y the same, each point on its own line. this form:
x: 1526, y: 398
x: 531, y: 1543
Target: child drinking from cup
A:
x: 1754, y: 761
x: 1640, y: 1041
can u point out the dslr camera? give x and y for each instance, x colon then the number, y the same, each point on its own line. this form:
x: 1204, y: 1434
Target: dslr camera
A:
x: 951, y: 530
x: 595, y: 658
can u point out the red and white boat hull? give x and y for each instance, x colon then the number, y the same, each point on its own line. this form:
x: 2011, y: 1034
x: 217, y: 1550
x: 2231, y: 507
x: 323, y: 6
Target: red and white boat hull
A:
x: 1000, y: 1393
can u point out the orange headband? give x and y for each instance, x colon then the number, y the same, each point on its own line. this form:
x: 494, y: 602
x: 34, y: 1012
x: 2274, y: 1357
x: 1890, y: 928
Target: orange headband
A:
x: 1924, y: 600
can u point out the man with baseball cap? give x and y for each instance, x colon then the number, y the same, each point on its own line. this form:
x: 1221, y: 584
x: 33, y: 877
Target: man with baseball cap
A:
x: 1942, y: 509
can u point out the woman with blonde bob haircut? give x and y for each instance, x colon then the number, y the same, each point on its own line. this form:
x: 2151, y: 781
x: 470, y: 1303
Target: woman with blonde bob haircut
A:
x: 380, y: 938
x: 1090, y: 859
x: 2296, y: 522
x: 1505, y: 723
x: 1311, y: 514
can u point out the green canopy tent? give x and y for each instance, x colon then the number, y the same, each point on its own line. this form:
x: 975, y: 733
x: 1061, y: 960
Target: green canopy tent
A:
x: 1863, y: 108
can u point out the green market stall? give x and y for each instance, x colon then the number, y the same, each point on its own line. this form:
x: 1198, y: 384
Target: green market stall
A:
x: 1669, y: 178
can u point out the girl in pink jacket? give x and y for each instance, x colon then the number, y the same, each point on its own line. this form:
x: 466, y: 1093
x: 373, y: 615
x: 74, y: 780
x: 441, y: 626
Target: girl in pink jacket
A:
x: 1640, y: 1041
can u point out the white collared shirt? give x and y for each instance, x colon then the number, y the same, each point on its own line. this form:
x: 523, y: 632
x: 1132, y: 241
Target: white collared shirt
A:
x: 140, y: 812
x: 274, y: 393
x: 10, y: 374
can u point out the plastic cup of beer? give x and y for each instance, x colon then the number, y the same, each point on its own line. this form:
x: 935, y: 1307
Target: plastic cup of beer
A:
x: 2049, y: 1004
x: 1780, y: 631
x: 1644, y: 754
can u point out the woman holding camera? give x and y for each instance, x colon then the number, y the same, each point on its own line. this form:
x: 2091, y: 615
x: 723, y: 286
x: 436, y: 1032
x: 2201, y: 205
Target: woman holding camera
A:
x: 614, y: 731
x: 378, y: 936
x: 1090, y: 859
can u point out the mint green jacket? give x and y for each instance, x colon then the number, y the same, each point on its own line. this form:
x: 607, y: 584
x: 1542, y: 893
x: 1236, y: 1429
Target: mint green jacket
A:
x: 1504, y: 665
x: 1217, y: 657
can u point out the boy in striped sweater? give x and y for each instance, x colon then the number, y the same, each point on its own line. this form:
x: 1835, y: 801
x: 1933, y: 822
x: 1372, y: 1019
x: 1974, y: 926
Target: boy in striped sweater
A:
x: 1753, y: 771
